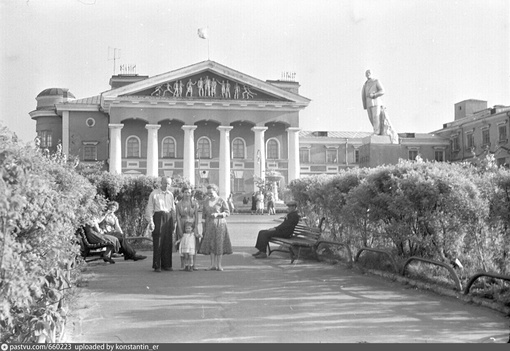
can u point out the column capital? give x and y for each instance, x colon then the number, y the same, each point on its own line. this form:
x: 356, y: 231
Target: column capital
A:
x: 259, y: 129
x: 224, y: 128
x: 293, y: 129
x: 152, y: 126
x: 189, y: 127
x: 115, y: 126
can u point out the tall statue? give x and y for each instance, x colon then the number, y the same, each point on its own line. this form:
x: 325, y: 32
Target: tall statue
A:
x: 370, y: 95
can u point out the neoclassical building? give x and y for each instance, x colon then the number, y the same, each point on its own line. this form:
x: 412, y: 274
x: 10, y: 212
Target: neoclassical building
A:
x: 206, y: 122
x: 212, y: 124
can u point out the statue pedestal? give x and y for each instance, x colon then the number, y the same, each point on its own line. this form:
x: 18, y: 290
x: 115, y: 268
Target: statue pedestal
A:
x: 377, y: 139
x: 378, y: 150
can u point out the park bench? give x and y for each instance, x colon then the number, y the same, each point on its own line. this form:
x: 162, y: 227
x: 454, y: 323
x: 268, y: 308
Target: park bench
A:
x: 88, y: 249
x: 303, y: 237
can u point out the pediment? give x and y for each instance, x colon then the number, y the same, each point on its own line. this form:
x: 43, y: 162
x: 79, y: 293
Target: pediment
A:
x: 204, y: 81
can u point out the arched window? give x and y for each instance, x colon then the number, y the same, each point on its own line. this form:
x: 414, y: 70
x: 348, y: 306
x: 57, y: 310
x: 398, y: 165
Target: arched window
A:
x: 133, y: 147
x: 238, y: 148
x: 273, y: 149
x: 204, y: 148
x: 168, y: 148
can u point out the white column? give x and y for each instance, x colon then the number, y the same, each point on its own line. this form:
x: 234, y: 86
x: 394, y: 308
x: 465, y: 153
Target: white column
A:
x: 259, y: 154
x: 65, y: 132
x: 115, y: 148
x: 293, y: 147
x: 189, y: 153
x: 152, y: 149
x: 224, y: 182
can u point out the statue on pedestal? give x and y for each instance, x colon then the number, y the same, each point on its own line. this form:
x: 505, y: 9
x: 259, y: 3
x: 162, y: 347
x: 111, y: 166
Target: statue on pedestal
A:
x: 370, y: 95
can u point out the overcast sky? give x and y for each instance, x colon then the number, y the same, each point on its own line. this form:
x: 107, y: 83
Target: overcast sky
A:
x: 428, y: 54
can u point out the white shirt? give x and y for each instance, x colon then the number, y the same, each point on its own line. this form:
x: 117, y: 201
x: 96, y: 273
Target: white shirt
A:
x: 159, y: 200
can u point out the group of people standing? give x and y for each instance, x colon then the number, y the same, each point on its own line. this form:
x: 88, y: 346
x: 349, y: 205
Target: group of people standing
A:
x: 261, y: 201
x: 165, y: 216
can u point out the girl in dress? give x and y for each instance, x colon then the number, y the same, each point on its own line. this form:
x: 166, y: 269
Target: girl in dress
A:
x: 187, y: 246
x: 216, y: 241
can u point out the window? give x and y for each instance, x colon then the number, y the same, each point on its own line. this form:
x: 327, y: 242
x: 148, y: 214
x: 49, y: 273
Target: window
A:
x: 168, y: 148
x: 502, y: 133
x: 272, y: 149
x: 304, y: 155
x: 413, y: 154
x: 486, y: 140
x: 45, y: 138
x: 356, y: 156
x: 456, y: 143
x: 89, y: 153
x: 331, y: 155
x: 204, y: 148
x: 238, y: 148
x: 470, y: 140
x: 439, y: 155
x: 133, y: 147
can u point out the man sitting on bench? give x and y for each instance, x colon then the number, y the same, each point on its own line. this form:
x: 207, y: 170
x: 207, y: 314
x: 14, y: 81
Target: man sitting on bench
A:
x: 284, y: 230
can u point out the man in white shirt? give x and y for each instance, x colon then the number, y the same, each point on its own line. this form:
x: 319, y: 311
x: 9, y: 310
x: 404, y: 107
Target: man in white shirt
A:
x: 160, y: 214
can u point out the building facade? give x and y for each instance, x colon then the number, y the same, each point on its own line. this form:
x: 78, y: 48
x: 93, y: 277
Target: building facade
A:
x: 212, y: 124
x: 477, y: 131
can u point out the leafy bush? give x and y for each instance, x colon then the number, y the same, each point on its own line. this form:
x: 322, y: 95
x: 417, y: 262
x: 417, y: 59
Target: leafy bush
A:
x: 43, y: 200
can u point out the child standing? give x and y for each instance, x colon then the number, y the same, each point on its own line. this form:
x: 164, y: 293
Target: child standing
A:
x: 187, y: 246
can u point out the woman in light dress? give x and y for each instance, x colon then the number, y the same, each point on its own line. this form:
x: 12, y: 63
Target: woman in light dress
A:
x: 187, y: 211
x: 216, y: 240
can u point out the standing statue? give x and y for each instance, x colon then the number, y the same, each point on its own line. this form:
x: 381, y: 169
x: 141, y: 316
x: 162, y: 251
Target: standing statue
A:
x: 370, y: 95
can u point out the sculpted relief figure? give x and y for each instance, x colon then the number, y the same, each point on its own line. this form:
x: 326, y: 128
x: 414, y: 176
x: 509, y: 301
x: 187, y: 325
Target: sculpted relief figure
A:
x: 200, y: 86
x: 207, y: 86
x: 237, y: 90
x: 247, y: 93
x: 370, y: 96
x: 189, y: 88
x: 213, y: 87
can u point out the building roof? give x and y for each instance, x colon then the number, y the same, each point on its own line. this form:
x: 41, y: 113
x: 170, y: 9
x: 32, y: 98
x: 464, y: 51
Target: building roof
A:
x: 333, y: 134
x: 56, y: 91
x: 92, y: 100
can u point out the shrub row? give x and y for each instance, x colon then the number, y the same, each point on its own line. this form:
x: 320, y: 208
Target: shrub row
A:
x: 432, y: 210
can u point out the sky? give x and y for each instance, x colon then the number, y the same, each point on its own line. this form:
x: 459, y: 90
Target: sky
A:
x: 428, y: 54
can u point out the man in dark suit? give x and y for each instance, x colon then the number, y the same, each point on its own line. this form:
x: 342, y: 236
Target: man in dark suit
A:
x: 284, y: 230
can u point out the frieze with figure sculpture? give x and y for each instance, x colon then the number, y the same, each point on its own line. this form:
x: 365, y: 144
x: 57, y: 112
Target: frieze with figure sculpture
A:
x: 207, y: 86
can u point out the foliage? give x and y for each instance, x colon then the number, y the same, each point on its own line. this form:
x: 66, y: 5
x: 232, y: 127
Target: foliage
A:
x: 434, y: 210
x: 43, y: 200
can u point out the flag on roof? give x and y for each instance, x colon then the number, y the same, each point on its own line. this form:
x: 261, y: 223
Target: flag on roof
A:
x: 202, y: 33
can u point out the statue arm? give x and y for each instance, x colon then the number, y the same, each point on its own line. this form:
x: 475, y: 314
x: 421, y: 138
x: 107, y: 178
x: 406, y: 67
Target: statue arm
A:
x: 380, y: 90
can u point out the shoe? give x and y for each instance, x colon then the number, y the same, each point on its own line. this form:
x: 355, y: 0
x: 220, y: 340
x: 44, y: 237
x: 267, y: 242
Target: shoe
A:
x: 158, y: 270
x: 256, y: 253
x: 139, y: 257
x: 211, y: 269
x: 168, y: 269
x: 219, y: 269
x: 108, y: 259
x: 194, y: 268
x: 262, y: 255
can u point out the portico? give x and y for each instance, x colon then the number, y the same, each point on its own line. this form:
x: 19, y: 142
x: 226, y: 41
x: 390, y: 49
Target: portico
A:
x: 155, y: 131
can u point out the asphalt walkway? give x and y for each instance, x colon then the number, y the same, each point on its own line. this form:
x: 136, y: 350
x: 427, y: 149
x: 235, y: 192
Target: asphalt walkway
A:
x: 266, y: 301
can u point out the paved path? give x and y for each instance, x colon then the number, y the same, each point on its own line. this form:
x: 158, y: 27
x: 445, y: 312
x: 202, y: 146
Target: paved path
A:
x: 257, y: 301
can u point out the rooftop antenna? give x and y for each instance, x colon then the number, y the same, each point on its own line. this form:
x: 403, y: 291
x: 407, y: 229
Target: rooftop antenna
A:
x: 113, y: 54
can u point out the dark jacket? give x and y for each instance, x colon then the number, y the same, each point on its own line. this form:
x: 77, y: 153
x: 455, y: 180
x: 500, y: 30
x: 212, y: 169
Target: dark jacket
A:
x: 286, y: 228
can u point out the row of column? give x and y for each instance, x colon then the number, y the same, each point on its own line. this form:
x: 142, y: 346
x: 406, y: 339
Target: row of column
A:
x: 189, y: 153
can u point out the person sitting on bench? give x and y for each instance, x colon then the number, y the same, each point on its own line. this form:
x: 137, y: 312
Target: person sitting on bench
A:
x: 109, y: 224
x: 284, y: 230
